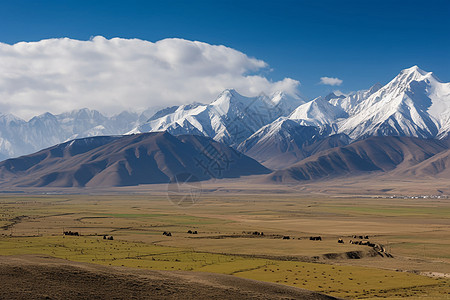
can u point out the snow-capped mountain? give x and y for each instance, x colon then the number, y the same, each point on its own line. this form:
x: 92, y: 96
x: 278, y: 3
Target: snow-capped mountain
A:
x: 279, y: 144
x: 415, y: 103
x: 18, y: 137
x: 348, y: 102
x: 318, y: 112
x: 287, y: 141
x: 230, y: 118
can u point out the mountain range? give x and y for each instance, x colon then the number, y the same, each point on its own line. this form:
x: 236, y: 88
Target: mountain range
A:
x: 414, y: 104
x: 230, y: 118
x: 19, y: 137
x: 402, y: 127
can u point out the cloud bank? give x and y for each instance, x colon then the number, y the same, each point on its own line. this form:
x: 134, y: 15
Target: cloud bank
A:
x: 330, y: 81
x: 112, y: 75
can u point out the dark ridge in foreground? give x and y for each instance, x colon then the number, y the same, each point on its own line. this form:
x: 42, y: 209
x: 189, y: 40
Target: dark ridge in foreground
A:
x: 127, y: 160
x: 402, y: 156
x: 37, y: 277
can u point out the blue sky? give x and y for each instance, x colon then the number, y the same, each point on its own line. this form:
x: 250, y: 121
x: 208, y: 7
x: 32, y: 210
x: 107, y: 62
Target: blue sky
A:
x: 360, y: 42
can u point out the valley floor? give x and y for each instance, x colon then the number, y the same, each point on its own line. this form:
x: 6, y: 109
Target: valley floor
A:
x: 414, y: 234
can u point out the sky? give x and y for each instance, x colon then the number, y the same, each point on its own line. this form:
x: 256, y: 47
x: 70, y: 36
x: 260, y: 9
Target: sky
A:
x: 307, y: 48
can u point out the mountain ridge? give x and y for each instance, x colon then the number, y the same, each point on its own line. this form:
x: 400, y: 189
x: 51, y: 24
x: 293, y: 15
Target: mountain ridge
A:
x: 377, y: 154
x: 230, y: 118
x: 126, y: 160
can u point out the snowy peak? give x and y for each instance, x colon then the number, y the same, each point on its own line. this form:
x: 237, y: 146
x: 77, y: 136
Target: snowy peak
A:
x: 229, y: 99
x: 285, y: 102
x: 163, y: 112
x: 349, y: 103
x: 414, y: 72
x: 403, y: 80
x: 317, y: 112
x: 414, y: 103
x: 227, y: 96
x: 332, y: 96
x: 10, y: 118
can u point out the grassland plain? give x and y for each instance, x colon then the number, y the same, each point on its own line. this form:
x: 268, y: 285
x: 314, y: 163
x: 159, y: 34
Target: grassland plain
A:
x: 415, y: 231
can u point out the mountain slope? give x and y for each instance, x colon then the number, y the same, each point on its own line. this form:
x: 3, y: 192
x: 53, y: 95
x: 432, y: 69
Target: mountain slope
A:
x: 126, y: 160
x: 278, y: 144
x: 286, y: 142
x: 375, y: 154
x: 436, y: 166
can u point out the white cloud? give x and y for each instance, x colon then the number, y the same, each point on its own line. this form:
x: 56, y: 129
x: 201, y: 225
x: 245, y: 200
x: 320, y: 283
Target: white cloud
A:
x: 330, y: 81
x: 58, y: 75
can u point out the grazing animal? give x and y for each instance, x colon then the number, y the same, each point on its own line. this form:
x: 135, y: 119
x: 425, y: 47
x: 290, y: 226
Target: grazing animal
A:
x: 340, y: 241
x: 286, y: 237
x: 71, y: 233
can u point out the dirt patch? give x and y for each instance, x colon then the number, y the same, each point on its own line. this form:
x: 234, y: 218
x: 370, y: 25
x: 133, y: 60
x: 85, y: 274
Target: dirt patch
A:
x: 14, y: 221
x: 39, y: 277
